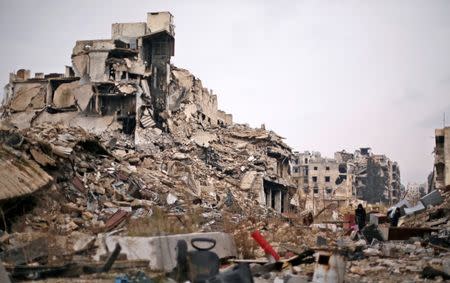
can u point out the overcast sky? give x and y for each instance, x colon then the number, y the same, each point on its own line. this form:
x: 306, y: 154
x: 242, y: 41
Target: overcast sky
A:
x: 327, y: 75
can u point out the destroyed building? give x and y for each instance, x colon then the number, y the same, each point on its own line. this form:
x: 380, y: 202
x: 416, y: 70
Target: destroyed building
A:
x: 346, y: 177
x: 441, y: 170
x: 323, y: 180
x: 127, y: 78
x: 377, y: 178
x: 127, y: 83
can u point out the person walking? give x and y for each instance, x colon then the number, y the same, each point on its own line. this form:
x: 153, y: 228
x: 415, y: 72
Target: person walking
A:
x: 396, y: 217
x: 360, y: 217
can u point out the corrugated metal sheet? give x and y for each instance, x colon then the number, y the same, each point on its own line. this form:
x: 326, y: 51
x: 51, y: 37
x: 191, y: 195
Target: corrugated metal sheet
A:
x: 19, y: 176
x: 147, y: 121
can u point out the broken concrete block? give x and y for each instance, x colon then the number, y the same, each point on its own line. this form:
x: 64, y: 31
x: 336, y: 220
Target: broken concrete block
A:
x: 42, y: 158
x: 248, y: 180
x: 62, y: 150
x: 416, y: 209
x: 179, y: 156
x: 203, y: 139
x: 73, y: 93
x: 371, y: 232
x: 160, y: 250
x: 171, y: 199
x: 377, y: 218
x: 329, y: 268
x: 433, y: 198
x: 24, y: 94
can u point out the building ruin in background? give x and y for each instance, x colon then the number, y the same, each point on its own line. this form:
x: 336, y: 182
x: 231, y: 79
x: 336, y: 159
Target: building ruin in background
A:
x: 441, y: 168
x: 345, y: 178
x: 321, y: 180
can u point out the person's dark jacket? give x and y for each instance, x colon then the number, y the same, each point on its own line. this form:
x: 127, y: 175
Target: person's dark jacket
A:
x: 395, y: 218
x: 360, y: 217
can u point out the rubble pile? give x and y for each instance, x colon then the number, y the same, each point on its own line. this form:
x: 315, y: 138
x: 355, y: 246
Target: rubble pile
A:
x: 98, y: 184
x: 96, y: 176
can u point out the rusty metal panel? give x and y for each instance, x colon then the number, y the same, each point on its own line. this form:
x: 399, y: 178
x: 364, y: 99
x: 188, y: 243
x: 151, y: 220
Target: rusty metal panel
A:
x: 116, y: 219
x: 78, y: 184
x: 20, y: 176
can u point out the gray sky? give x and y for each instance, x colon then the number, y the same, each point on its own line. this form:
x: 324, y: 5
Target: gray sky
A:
x: 327, y: 75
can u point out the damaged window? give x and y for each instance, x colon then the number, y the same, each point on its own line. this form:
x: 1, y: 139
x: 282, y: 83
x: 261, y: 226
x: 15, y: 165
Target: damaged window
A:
x: 440, y: 139
x: 315, y: 168
x: 314, y: 179
x: 327, y: 168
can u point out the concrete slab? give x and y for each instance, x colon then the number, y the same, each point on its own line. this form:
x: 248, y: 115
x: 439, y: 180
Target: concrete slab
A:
x: 416, y: 209
x: 377, y: 218
x: 161, y: 250
x: 433, y: 198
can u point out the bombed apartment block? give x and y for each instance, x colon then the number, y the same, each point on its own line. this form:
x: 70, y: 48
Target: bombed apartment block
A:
x: 127, y: 78
x: 345, y: 178
x: 278, y: 188
x: 321, y: 180
x: 377, y: 178
x: 441, y: 168
x: 273, y: 186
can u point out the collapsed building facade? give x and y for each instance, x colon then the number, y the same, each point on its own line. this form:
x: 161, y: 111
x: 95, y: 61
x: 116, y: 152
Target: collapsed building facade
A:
x: 127, y: 78
x: 377, y: 177
x: 322, y: 181
x: 345, y: 178
x: 128, y: 83
x: 441, y: 168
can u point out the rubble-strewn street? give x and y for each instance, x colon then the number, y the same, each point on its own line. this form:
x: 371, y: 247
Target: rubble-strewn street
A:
x: 124, y: 169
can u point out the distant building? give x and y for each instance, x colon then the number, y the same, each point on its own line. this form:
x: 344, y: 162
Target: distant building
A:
x: 441, y: 168
x: 377, y: 177
x: 345, y: 178
x: 322, y: 180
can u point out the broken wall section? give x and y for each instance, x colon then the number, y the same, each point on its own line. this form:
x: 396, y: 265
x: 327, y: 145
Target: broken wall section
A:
x: 186, y: 92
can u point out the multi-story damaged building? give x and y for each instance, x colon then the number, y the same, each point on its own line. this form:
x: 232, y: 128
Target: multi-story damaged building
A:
x: 128, y: 82
x: 127, y: 78
x: 441, y: 170
x: 346, y: 177
x: 377, y: 178
x: 272, y: 187
x: 321, y: 180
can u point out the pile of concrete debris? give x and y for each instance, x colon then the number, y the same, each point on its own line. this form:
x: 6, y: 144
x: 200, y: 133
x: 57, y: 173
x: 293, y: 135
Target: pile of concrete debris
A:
x: 76, y: 186
x: 71, y: 197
